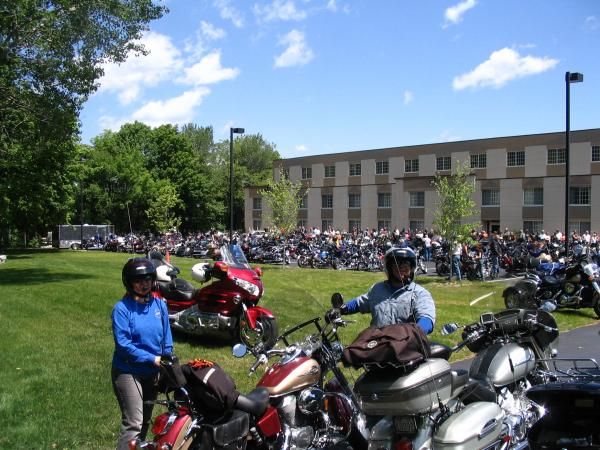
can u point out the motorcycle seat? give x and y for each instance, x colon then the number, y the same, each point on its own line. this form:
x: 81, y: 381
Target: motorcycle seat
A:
x: 255, y: 402
x: 440, y: 351
x: 177, y: 289
x: 551, y: 280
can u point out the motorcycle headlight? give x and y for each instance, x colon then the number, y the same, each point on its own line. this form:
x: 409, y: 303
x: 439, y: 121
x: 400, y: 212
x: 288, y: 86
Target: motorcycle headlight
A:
x: 251, y: 288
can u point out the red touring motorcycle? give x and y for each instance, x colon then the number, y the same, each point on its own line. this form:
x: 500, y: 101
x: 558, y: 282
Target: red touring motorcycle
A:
x: 227, y: 306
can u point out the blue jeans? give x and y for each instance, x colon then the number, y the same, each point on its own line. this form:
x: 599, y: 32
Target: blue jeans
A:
x: 131, y: 392
x: 495, y: 263
x: 455, y: 267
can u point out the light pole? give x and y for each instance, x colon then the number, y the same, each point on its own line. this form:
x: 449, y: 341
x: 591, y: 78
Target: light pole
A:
x: 82, y: 159
x: 231, y: 131
x: 569, y: 78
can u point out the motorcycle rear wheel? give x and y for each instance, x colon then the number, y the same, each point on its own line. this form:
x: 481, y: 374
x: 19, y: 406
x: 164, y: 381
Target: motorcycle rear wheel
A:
x: 266, y: 331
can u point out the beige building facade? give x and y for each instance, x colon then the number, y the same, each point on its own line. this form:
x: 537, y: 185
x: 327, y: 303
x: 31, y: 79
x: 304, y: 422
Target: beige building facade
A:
x: 520, y: 184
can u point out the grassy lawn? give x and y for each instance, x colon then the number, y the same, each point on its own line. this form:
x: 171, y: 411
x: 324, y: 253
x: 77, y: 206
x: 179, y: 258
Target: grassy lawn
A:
x: 55, y: 390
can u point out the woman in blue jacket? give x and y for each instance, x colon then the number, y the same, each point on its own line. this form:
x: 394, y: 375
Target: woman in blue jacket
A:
x: 142, y: 334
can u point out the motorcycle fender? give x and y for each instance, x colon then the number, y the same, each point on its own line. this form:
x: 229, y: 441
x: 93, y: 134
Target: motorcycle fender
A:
x: 254, y: 312
x: 269, y: 424
x: 478, y: 425
x: 178, y: 435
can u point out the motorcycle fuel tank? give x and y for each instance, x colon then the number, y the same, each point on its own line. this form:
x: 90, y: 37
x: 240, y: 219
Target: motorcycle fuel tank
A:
x: 503, y: 364
x: 283, y: 378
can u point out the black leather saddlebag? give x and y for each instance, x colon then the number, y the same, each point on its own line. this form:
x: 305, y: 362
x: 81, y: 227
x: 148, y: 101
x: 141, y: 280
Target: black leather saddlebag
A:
x: 231, y: 434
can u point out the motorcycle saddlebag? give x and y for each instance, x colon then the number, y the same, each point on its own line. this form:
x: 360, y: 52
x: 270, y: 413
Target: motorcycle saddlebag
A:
x: 231, y: 434
x: 478, y: 425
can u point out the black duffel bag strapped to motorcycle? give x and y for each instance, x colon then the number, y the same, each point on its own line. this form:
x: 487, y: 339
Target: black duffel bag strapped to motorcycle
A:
x: 400, y: 345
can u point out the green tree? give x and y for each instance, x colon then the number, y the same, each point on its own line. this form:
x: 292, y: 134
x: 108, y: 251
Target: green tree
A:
x: 455, y: 203
x: 283, y: 199
x: 51, y: 56
x: 161, y: 210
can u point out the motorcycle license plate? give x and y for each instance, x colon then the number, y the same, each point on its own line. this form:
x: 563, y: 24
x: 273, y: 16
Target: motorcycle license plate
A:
x: 209, y: 321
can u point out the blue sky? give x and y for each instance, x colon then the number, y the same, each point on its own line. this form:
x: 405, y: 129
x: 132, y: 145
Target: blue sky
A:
x: 325, y: 76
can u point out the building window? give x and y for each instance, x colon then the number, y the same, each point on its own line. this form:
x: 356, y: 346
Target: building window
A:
x: 442, y: 163
x: 256, y: 225
x: 490, y: 197
x: 326, y: 224
x: 415, y: 225
x: 579, y: 195
x: 557, y: 156
x: 306, y: 173
x: 533, y: 197
x: 595, y: 153
x: 384, y: 200
x: 327, y: 201
x: 301, y: 223
x: 355, y: 170
x: 256, y: 203
x: 479, y: 161
x: 381, y: 224
x: 303, y: 202
x: 329, y: 171
x: 382, y: 167
x: 353, y: 200
x: 579, y: 227
x: 515, y: 159
x: 416, y: 199
x: 533, y: 226
x: 354, y: 225
x: 411, y: 165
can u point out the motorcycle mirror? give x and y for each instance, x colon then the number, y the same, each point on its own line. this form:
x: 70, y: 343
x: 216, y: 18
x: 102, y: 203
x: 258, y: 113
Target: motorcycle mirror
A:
x: 449, y: 328
x: 337, y: 300
x: 239, y: 350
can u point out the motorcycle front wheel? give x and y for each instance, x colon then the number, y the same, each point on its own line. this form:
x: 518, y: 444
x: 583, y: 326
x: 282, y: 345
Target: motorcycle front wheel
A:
x: 266, y: 331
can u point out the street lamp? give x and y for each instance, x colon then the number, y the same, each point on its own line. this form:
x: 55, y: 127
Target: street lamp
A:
x: 231, y: 132
x: 569, y: 78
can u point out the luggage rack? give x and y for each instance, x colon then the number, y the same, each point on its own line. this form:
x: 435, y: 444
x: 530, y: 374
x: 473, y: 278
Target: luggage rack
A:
x: 572, y: 369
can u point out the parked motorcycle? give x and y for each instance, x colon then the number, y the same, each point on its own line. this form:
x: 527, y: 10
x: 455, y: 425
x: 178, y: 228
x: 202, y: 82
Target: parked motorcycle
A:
x: 425, y: 404
x: 572, y: 404
x: 307, y: 411
x: 579, y: 288
x: 189, y: 424
x: 227, y: 306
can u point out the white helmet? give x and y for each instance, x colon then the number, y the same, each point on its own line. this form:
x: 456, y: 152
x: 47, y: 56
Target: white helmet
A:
x: 200, y: 272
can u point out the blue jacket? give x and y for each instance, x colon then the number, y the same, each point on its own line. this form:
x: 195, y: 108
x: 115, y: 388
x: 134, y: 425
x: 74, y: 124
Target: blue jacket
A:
x: 389, y: 305
x: 141, y: 332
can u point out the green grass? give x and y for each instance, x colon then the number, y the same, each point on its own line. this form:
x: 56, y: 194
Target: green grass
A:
x: 56, y: 347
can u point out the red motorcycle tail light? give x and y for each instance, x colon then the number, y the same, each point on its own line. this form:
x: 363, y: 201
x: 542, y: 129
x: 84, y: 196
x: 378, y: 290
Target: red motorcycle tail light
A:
x: 258, y: 271
x: 160, y: 424
x: 403, y: 444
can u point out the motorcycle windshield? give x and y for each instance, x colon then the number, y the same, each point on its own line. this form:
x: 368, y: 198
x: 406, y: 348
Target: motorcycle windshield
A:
x: 234, y: 256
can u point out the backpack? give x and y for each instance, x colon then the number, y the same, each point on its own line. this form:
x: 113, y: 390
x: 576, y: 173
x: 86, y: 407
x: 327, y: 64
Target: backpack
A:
x: 394, y: 345
x: 212, y: 390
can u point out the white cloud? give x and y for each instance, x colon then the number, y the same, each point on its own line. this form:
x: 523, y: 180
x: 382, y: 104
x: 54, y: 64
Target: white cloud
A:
x: 332, y: 5
x: 408, y: 97
x: 228, y: 12
x: 301, y: 148
x: 279, y: 10
x: 503, y: 65
x: 138, y: 71
x: 208, y: 71
x: 592, y: 23
x: 209, y: 31
x: 177, y: 110
x: 453, y: 15
x: 297, y: 52
x: 447, y: 136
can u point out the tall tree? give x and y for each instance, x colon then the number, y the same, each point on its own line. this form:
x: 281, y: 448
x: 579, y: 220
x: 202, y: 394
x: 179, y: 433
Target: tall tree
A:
x: 51, y: 56
x: 283, y: 198
x: 455, y: 204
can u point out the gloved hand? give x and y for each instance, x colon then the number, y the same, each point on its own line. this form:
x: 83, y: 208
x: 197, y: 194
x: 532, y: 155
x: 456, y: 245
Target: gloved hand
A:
x: 332, y: 315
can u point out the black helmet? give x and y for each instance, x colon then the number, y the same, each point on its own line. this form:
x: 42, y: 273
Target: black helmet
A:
x: 135, y: 269
x: 396, y: 256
